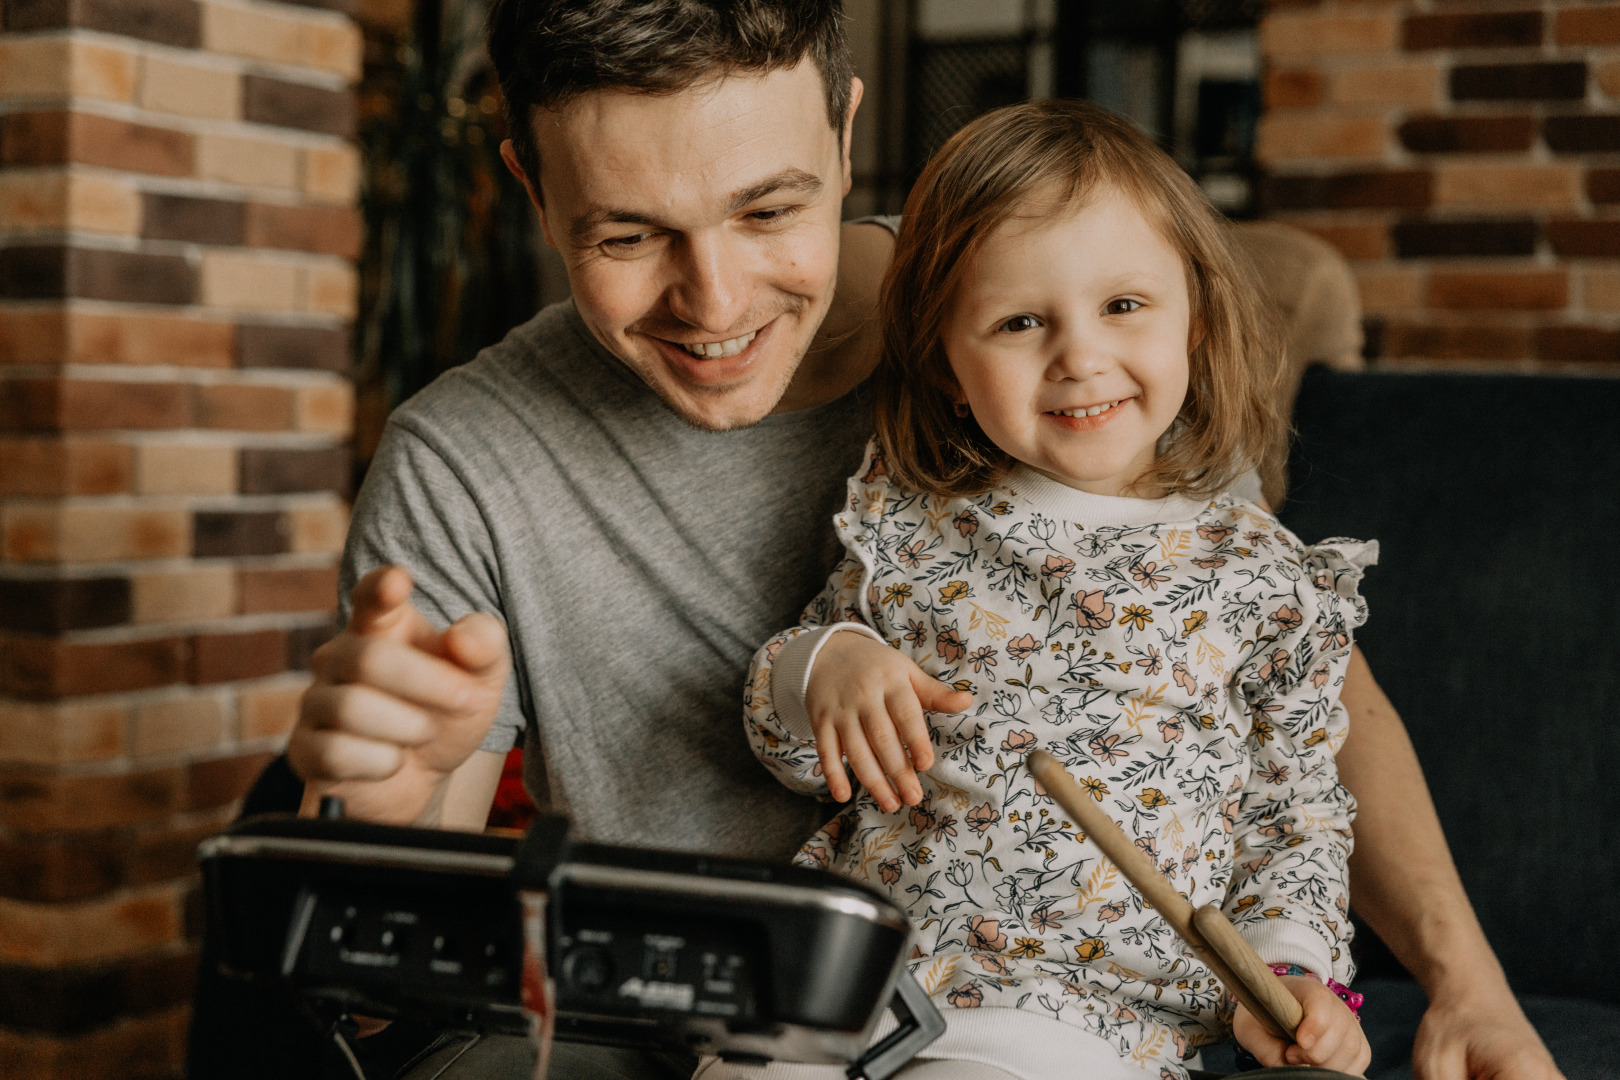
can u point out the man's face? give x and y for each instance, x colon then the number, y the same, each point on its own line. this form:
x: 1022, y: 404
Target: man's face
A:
x: 700, y: 231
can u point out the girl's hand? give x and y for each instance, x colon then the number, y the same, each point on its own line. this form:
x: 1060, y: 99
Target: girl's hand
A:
x: 1328, y: 1036
x: 866, y: 704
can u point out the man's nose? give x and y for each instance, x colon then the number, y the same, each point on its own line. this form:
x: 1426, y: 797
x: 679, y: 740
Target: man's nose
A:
x: 710, y: 292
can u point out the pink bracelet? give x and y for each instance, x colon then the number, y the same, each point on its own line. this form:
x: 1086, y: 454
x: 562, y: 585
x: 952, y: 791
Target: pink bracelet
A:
x: 1351, y: 999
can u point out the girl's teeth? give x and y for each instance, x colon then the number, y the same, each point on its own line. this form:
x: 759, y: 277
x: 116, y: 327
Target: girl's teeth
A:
x: 721, y: 348
x: 1093, y: 411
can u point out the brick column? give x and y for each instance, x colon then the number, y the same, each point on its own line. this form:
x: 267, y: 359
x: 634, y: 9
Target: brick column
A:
x: 177, y: 239
x: 1463, y: 158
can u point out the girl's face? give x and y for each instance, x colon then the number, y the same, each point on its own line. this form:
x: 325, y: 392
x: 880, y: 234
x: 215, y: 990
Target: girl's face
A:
x: 1068, y: 336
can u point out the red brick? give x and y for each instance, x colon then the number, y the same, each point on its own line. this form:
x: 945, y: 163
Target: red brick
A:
x: 1457, y: 342
x: 215, y: 783
x: 76, y: 138
x: 1603, y: 185
x: 244, y: 407
x: 1467, y: 135
x: 1395, y: 188
x: 1578, y: 344
x: 144, y: 1047
x: 301, y: 589
x: 326, y: 230
x: 1565, y: 81
x: 83, y: 405
x: 46, y: 668
x: 1495, y: 30
x: 281, y: 472
x: 1581, y: 134
x: 219, y: 658
x: 1588, y: 26
x: 33, y: 337
x: 313, y: 347
x: 82, y: 997
x: 1293, y: 89
x: 1536, y: 290
x: 1584, y: 239
x: 1353, y: 241
x: 128, y: 338
x: 297, y: 105
x: 38, y: 802
x: 63, y: 467
x: 167, y: 22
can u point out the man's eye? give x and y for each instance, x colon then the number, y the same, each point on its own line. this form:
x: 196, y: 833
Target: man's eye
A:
x: 1019, y: 323
x: 625, y: 243
x: 1122, y: 306
x: 775, y: 213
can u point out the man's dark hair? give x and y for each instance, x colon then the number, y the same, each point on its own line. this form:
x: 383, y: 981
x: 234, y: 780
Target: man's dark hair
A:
x: 548, y: 52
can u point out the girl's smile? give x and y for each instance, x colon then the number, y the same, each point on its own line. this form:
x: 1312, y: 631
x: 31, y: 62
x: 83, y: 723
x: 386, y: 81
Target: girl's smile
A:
x: 1068, y: 337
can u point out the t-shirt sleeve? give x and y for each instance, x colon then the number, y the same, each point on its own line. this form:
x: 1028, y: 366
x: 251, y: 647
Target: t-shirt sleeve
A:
x: 414, y: 511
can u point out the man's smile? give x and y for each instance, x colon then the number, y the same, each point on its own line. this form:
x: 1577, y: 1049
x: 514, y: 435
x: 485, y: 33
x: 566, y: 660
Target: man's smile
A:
x: 715, y: 363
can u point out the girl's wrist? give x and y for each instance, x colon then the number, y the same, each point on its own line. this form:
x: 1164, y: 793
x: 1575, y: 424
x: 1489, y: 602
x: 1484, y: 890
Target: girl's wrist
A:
x: 1351, y: 999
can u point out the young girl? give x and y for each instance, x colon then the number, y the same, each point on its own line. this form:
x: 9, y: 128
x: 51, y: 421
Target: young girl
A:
x: 1039, y: 553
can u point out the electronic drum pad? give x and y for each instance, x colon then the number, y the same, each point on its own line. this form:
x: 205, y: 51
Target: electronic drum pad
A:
x: 748, y: 960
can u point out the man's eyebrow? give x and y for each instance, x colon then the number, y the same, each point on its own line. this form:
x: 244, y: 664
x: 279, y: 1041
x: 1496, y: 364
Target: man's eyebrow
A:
x: 796, y: 180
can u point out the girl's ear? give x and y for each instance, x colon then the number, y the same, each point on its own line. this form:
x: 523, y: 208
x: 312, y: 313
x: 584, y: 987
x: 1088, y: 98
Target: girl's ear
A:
x: 1196, y: 332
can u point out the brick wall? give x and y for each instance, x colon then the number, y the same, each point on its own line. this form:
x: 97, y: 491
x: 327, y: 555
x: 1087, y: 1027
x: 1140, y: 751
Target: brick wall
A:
x: 1466, y: 158
x: 177, y: 235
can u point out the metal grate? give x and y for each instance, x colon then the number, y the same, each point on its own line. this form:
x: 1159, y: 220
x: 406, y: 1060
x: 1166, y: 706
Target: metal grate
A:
x: 953, y: 82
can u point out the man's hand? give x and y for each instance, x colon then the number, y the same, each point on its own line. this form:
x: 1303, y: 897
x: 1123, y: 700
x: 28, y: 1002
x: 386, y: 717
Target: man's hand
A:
x: 1328, y: 1036
x: 397, y: 705
x: 866, y: 704
x: 1480, y: 1040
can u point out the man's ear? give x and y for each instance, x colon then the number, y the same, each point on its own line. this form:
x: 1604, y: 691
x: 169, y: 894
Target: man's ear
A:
x: 856, y: 89
x: 515, y: 167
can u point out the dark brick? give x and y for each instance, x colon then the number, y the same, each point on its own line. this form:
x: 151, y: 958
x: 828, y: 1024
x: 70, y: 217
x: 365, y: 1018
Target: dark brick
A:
x: 1467, y: 135
x: 1442, y: 239
x: 325, y: 230
x: 1582, y: 134
x: 217, y: 658
x: 165, y: 854
x: 37, y: 802
x: 1578, y: 344
x: 1603, y: 185
x: 297, y: 105
x: 277, y: 472
x: 57, y: 604
x: 302, y: 643
x: 223, y: 780
x: 1492, y: 31
x: 55, y: 272
x: 34, y: 273
x: 347, y: 7
x: 1584, y: 239
x: 259, y: 346
x: 34, y: 138
x: 1519, y: 82
x: 58, y: 867
x: 46, y: 668
x: 75, y: 1000
x: 1457, y: 342
x: 51, y: 405
x: 219, y: 534
x: 201, y: 221
x: 1396, y: 188
x: 168, y: 22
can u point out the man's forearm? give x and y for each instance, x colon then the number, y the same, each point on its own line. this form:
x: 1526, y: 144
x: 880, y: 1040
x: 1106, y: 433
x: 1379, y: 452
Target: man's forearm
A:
x: 1403, y: 881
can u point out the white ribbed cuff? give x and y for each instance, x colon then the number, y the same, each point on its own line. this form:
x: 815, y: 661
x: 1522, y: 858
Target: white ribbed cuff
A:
x: 1282, y: 941
x: 790, y: 674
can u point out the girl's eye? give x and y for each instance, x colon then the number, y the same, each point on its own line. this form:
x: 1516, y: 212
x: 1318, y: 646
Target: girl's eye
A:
x: 1122, y: 306
x: 1019, y: 323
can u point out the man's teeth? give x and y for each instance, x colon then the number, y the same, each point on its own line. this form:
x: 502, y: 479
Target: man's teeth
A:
x: 730, y: 347
x: 1093, y: 411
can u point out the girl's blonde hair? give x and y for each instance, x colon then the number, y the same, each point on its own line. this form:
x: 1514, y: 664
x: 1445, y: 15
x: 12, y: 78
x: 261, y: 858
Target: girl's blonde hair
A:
x: 1015, y: 159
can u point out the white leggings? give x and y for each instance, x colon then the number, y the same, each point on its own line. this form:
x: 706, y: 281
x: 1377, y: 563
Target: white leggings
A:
x: 933, y: 1069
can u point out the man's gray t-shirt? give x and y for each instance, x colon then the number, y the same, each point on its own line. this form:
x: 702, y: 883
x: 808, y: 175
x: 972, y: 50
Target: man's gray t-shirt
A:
x: 638, y: 563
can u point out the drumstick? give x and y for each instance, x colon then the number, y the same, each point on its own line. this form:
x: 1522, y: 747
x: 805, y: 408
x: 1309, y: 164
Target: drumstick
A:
x: 1214, y: 940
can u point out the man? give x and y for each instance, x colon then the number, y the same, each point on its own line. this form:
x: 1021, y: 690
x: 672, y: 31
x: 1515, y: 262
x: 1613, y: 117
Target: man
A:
x: 638, y: 483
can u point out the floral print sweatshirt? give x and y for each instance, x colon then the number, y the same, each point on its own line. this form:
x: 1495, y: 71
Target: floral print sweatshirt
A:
x: 1181, y: 658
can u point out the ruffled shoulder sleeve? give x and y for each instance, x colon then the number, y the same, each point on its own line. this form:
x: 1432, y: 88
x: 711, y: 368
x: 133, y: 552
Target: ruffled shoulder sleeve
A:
x: 1310, y: 624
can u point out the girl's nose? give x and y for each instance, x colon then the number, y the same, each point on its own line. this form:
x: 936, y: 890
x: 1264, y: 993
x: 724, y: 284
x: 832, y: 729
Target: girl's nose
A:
x: 1078, y: 356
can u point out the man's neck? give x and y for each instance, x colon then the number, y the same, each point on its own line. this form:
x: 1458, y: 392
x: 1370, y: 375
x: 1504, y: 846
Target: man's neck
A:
x: 845, y: 349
